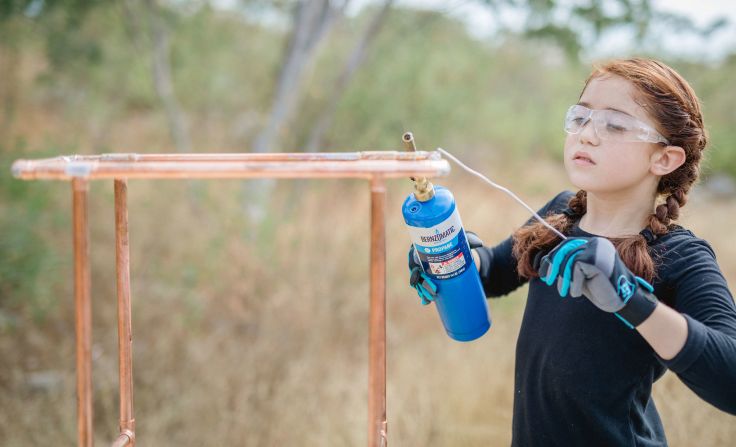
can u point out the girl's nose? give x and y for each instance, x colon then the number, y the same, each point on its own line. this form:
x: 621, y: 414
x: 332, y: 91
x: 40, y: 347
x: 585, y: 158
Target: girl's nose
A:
x: 588, y: 135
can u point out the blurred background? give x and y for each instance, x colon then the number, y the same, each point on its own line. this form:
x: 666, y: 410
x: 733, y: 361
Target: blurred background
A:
x: 250, y: 299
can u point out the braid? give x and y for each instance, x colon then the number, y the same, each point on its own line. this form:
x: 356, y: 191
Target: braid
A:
x: 579, y: 204
x: 536, y: 239
x: 665, y: 213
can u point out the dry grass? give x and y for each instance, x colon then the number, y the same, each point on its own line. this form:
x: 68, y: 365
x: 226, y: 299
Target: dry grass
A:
x: 263, y: 341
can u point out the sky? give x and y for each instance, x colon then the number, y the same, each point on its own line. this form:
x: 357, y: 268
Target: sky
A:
x: 703, y: 12
x: 481, y: 23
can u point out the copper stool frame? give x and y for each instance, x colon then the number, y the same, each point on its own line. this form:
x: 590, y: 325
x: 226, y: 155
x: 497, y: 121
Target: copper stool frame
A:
x: 372, y: 165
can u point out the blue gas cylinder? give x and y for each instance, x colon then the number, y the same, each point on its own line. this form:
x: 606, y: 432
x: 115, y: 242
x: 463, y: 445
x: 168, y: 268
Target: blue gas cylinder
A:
x: 439, y: 239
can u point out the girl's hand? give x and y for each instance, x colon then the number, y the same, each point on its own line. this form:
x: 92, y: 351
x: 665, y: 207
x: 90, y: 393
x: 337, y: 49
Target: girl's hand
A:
x: 592, y: 267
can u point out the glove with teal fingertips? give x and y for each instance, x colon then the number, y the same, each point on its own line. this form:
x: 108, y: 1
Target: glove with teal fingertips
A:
x: 420, y: 281
x: 592, y: 267
x: 423, y: 284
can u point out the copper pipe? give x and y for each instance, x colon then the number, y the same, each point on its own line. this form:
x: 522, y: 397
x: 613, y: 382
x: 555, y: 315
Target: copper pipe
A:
x: 377, y: 425
x: 83, y: 312
x: 125, y: 330
x: 126, y: 438
x: 250, y: 156
x: 326, y: 165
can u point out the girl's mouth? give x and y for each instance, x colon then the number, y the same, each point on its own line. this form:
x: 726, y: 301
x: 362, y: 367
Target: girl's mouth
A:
x: 582, y: 159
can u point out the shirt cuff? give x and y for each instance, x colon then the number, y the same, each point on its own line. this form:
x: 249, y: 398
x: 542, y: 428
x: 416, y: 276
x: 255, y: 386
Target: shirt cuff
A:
x: 696, y: 337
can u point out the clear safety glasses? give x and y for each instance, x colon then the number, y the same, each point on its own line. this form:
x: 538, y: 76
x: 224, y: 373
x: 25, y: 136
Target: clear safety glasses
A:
x: 611, y: 125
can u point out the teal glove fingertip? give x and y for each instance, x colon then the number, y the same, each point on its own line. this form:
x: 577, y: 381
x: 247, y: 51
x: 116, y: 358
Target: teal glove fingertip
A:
x: 430, y: 283
x: 567, y: 275
x: 562, y: 251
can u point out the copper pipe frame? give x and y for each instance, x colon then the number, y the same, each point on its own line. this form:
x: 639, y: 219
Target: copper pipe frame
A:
x: 374, y: 166
x: 125, y: 439
x: 410, y: 154
x: 389, y: 164
x: 83, y: 311
x: 377, y: 424
x: 125, y: 326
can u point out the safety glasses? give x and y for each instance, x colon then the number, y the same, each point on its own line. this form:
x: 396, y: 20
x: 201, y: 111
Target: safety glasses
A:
x: 611, y: 125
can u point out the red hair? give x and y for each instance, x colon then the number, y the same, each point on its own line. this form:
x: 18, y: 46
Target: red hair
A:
x: 674, y: 107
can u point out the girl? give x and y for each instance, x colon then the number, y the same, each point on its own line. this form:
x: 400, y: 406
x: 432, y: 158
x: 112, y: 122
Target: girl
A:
x: 629, y: 293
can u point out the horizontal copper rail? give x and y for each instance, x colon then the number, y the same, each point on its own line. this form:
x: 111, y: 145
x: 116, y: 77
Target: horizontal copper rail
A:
x: 389, y: 164
x: 373, y: 165
x: 253, y: 156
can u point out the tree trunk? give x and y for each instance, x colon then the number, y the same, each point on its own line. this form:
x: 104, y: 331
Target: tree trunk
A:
x: 312, y: 21
x: 158, y: 46
x: 161, y: 65
x: 324, y: 122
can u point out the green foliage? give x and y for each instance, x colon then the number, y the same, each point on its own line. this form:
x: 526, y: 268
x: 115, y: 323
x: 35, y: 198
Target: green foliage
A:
x: 220, y: 64
x: 27, y: 212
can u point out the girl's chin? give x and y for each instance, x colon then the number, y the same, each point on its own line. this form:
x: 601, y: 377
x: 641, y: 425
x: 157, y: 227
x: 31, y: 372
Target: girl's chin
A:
x: 592, y: 187
x: 586, y: 182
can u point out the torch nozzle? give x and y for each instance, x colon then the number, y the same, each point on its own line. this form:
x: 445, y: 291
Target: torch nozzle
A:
x: 423, y: 189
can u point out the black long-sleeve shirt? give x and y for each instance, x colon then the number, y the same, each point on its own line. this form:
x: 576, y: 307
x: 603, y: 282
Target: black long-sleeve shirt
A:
x: 584, y: 378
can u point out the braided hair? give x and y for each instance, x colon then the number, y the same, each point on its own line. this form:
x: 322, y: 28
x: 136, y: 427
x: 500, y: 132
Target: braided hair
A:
x: 673, y: 105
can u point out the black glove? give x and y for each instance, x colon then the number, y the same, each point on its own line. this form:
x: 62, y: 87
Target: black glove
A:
x: 592, y: 267
x: 473, y: 240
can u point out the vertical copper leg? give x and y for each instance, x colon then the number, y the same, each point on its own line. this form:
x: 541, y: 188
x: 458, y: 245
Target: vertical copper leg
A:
x: 377, y: 429
x: 125, y: 330
x: 83, y: 311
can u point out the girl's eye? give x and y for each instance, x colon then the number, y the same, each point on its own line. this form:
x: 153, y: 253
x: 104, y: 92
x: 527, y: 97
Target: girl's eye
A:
x: 612, y: 127
x: 577, y: 120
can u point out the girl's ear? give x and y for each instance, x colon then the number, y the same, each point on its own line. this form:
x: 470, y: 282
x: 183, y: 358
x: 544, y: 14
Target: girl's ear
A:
x: 667, y: 160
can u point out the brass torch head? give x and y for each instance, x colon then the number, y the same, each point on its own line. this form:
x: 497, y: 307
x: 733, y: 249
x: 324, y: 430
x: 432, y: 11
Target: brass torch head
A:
x: 423, y: 189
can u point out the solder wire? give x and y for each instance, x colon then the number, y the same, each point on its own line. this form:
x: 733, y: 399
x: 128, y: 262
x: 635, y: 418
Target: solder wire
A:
x: 496, y: 185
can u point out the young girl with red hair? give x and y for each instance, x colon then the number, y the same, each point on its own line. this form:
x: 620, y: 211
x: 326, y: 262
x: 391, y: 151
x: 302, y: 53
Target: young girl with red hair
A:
x: 628, y: 294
